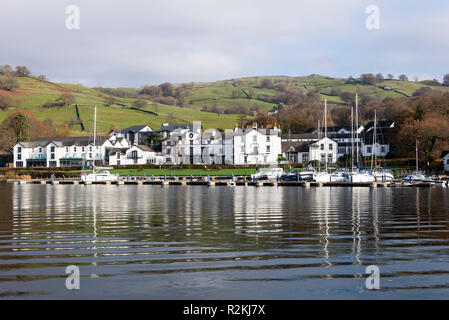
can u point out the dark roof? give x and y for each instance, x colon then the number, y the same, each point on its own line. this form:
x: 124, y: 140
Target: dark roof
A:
x: 381, y: 137
x: 299, y: 136
x: 242, y: 132
x: 297, y: 146
x: 329, y: 129
x: 65, y: 141
x: 331, y: 135
x: 380, y: 124
x: 135, y: 128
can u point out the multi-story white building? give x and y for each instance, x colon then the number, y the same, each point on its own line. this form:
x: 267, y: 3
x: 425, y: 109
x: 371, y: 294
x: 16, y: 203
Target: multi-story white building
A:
x: 188, y: 145
x: 248, y: 146
x: 134, y: 134
x: 183, y: 144
x: 313, y: 151
x: 137, y: 154
x: 363, y: 141
x: 65, y: 152
x: 252, y: 146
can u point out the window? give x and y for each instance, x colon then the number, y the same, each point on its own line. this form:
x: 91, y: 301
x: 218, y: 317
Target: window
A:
x: 305, y: 157
x: 52, y: 149
x: 90, y: 149
x: 19, y: 149
x: 52, y: 156
x: 19, y: 156
x: 66, y: 149
x: 268, y: 138
x: 74, y: 149
x: 82, y: 149
x: 268, y: 149
x: 322, y: 146
x: 40, y: 150
x: 256, y: 150
x: 368, y: 149
x: 382, y: 149
x: 19, y: 164
x: 331, y: 147
x: 255, y: 138
x: 90, y: 155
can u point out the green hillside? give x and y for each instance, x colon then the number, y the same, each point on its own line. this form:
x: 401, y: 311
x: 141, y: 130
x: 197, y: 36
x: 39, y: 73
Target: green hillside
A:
x: 32, y: 94
x: 221, y: 92
x: 250, y: 92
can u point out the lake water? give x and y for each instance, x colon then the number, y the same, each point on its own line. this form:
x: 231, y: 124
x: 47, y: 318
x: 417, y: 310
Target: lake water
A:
x: 198, y: 242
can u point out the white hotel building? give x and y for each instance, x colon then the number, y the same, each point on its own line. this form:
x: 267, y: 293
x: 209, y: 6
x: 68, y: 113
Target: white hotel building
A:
x: 181, y: 144
x: 65, y: 152
x: 248, y: 146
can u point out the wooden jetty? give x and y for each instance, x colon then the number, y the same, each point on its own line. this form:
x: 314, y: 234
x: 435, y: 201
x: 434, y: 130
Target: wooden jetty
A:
x: 225, y: 181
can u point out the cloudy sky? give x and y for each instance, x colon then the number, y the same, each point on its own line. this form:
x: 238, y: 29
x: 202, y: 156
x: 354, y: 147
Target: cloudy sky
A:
x: 134, y: 42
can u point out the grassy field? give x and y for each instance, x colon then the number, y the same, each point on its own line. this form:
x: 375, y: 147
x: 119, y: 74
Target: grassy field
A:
x: 183, y: 172
x: 33, y: 93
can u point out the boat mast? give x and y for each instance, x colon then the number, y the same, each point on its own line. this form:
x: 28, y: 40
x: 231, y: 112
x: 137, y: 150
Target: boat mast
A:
x: 352, y: 138
x: 357, y: 126
x: 325, y: 129
x: 318, y: 135
x: 375, y: 138
x: 95, y: 135
x: 417, y: 145
x: 373, y: 147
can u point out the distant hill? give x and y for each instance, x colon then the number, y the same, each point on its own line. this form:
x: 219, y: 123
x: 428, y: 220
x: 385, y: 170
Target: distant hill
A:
x: 258, y: 94
x: 33, y: 93
x: 223, y: 92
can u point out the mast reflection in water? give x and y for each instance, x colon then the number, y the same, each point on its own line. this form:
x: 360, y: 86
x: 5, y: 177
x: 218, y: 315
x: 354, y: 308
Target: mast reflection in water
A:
x: 197, y: 242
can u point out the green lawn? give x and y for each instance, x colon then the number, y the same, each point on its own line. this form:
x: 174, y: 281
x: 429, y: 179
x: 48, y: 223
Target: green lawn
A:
x: 183, y: 172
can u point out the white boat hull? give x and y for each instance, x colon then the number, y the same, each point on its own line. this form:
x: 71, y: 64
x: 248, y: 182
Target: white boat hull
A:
x: 99, y: 177
x: 360, y: 178
x: 380, y: 176
x: 324, y: 177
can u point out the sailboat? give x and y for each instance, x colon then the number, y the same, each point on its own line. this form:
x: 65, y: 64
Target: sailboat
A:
x: 417, y: 175
x: 379, y: 173
x: 325, y: 176
x: 98, y: 174
x: 358, y: 175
